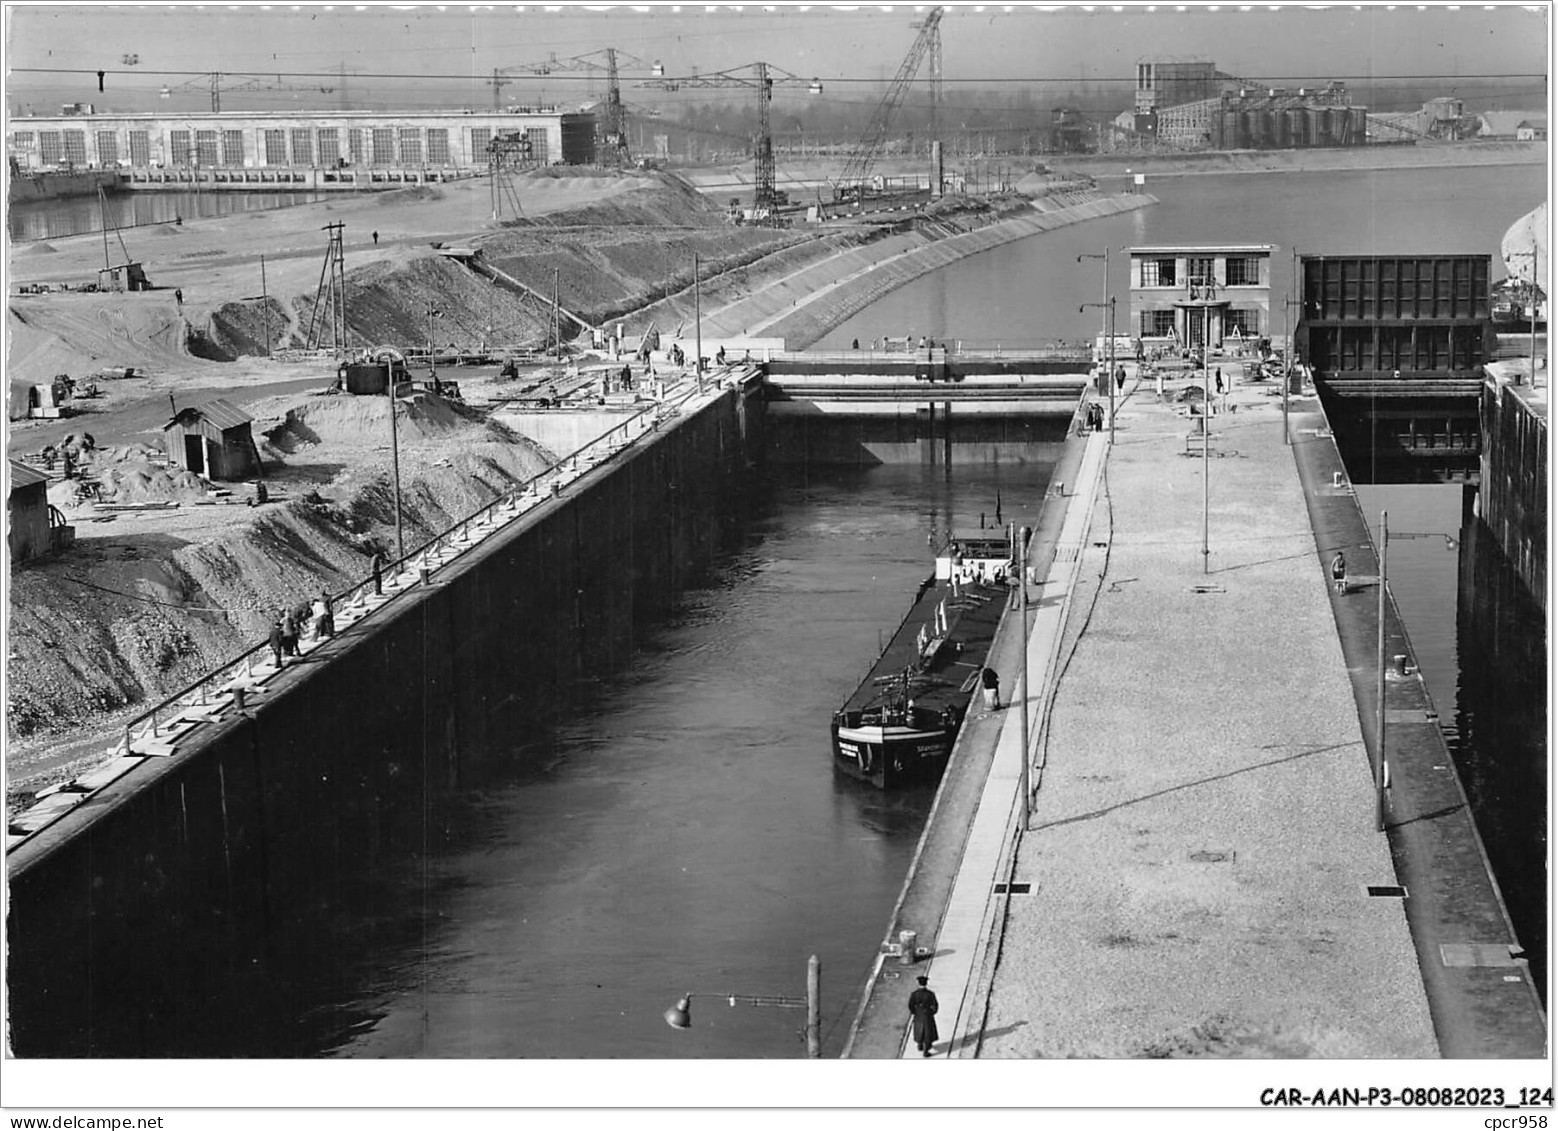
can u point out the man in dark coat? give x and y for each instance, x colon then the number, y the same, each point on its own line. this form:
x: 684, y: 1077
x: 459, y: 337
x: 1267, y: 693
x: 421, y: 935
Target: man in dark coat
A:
x: 922, y: 1007
x: 276, y: 646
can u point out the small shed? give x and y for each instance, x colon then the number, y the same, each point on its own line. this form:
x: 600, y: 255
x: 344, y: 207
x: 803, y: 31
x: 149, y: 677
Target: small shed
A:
x: 213, y: 440
x: 126, y: 276
x: 1531, y: 129
x: 28, y: 510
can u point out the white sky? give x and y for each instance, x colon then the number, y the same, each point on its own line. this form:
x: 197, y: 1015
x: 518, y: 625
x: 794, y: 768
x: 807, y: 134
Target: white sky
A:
x: 839, y: 45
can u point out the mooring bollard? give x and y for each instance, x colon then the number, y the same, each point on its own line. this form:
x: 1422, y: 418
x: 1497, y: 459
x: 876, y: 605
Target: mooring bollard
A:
x: 425, y: 575
x: 239, y: 695
x: 1401, y: 665
x: 906, y: 941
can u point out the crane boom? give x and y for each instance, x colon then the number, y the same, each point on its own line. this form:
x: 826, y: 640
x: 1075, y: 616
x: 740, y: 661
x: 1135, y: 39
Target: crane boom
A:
x: 764, y: 196
x: 858, y: 168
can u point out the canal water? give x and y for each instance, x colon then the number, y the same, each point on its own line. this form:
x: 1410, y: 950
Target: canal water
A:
x: 688, y: 835
x: 74, y: 216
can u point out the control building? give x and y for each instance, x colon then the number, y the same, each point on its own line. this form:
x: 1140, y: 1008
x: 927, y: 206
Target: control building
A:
x: 1184, y: 296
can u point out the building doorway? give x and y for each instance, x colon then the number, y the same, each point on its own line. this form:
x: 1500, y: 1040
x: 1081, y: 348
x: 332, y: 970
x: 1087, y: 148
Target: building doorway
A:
x: 195, y: 454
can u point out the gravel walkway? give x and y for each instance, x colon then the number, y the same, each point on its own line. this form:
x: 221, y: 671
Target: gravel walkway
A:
x: 1203, y: 835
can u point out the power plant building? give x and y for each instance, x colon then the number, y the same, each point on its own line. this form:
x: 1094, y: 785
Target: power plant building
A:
x: 1184, y: 296
x: 359, y: 140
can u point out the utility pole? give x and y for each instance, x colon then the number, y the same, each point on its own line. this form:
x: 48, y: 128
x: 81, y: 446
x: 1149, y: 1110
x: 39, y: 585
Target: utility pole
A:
x: 1379, y: 683
x: 1206, y: 444
x: 265, y: 305
x: 1021, y: 565
x: 697, y: 322
x: 1106, y: 327
x: 432, y: 351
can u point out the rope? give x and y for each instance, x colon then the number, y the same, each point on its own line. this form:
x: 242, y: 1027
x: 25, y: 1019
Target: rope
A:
x: 153, y: 600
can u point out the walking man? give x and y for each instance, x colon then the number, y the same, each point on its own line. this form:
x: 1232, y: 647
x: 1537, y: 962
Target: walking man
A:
x: 991, y: 683
x: 289, y: 633
x: 1219, y: 379
x: 178, y: 297
x: 276, y: 645
x: 922, y: 1007
x: 1339, y: 572
x: 375, y: 239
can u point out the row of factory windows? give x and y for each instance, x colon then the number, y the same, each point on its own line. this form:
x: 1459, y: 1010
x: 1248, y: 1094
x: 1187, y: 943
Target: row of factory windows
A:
x: 1201, y: 271
x: 1236, y: 322
x: 304, y: 146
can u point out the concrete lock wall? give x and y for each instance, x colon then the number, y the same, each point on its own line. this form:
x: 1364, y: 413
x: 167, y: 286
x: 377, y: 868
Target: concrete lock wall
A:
x: 1513, y: 491
x: 211, y: 868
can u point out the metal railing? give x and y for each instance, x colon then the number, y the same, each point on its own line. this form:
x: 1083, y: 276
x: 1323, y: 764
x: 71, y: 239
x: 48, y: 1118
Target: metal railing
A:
x: 217, y: 688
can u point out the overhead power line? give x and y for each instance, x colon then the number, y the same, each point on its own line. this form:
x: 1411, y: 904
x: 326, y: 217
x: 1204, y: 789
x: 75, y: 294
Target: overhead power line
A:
x: 865, y: 80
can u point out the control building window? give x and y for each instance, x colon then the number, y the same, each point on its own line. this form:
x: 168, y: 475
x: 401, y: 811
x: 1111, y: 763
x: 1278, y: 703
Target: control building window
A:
x: 1245, y: 323
x: 22, y: 139
x: 49, y: 148
x: 107, y: 148
x: 1243, y: 271
x: 303, y: 146
x: 1157, y: 324
x: 383, y: 147
x: 76, y: 146
x: 480, y: 140
x: 411, y: 147
x: 205, y: 147
x: 438, y: 147
x: 329, y: 148
x: 356, y: 146
x: 1202, y: 271
x: 179, y: 147
x: 140, y: 148
x: 275, y: 147
x: 538, y: 146
x: 232, y: 147
x: 1157, y: 272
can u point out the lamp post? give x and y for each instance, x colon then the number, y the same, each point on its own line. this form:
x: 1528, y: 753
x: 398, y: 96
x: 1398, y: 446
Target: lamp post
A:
x: 400, y: 539
x: 1109, y: 334
x: 1107, y: 322
x: 1206, y: 441
x: 679, y: 1016
x: 697, y: 323
x: 1022, y: 686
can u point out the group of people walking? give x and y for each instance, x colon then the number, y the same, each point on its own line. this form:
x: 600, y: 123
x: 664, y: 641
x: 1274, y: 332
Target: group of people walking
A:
x: 317, y: 617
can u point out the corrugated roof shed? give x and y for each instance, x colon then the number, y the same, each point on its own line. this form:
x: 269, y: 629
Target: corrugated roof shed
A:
x: 24, y: 476
x: 219, y: 412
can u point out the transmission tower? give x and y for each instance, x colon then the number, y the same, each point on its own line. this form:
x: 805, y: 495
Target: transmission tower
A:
x: 506, y: 153
x: 330, y: 295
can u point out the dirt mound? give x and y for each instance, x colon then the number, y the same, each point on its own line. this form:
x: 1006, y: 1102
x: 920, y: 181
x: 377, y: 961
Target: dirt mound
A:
x: 349, y: 420
x: 38, y: 248
x: 241, y: 328
x: 141, y: 482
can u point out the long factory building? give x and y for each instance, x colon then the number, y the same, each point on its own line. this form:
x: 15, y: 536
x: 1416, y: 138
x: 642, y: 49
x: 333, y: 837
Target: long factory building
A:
x: 362, y: 140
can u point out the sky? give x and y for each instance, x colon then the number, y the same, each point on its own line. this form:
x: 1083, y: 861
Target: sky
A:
x: 853, y: 50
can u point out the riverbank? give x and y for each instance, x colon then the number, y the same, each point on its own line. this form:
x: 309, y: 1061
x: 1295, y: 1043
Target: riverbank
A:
x: 1446, y: 155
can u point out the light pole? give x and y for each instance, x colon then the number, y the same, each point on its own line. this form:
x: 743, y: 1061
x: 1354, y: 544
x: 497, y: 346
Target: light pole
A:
x: 679, y: 1016
x: 697, y: 322
x: 1109, y: 375
x: 389, y: 367
x: 1022, y: 685
x: 1106, y: 321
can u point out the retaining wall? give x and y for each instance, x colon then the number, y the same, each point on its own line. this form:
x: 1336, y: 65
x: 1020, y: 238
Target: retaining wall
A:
x: 136, y: 917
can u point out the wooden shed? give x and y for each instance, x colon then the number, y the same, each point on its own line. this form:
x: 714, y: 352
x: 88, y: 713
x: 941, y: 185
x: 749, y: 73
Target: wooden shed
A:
x: 28, y: 510
x: 212, y: 440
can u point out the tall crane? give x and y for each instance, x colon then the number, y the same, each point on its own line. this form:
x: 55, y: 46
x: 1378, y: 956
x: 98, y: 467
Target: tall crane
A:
x: 245, y: 83
x: 763, y: 78
x: 614, y: 131
x: 857, y: 170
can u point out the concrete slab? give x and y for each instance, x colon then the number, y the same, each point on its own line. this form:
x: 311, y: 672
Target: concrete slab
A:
x: 1203, y: 834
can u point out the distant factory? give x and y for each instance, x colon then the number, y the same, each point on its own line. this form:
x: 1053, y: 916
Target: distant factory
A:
x: 80, y: 138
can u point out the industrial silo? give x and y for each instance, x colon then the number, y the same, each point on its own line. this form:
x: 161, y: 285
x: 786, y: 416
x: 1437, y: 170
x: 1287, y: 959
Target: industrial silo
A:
x: 1233, y: 130
x: 1341, y: 125
x: 1298, y: 126
x: 1281, y: 135
x: 1258, y: 122
x: 1319, y: 127
x: 1360, y: 125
